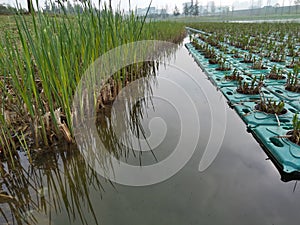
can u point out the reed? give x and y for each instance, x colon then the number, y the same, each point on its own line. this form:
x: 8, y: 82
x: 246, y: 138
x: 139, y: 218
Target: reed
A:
x: 42, y: 61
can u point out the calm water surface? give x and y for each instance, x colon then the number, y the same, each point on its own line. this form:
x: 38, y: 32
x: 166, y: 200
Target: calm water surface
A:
x: 240, y: 186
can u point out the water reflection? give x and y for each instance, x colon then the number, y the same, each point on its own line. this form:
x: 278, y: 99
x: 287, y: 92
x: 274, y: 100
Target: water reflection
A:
x: 58, y: 180
x: 59, y: 187
x: 119, y: 124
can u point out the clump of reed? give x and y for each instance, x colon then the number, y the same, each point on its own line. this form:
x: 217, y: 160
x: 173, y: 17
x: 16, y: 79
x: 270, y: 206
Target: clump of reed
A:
x: 292, y: 83
x: 250, y: 89
x: 295, y: 133
x: 41, y: 68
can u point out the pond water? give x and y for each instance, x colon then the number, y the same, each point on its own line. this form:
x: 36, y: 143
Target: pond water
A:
x: 268, y: 21
x: 240, y: 186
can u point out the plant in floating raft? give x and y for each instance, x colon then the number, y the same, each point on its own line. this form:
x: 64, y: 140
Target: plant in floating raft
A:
x: 224, y: 49
x: 272, y: 107
x: 202, y: 37
x: 258, y: 64
x: 276, y: 74
x: 278, y: 57
x: 243, y: 42
x: 294, y: 135
x: 223, y: 64
x: 278, y: 54
x: 213, y: 41
x: 250, y: 89
x: 293, y: 63
x: 291, y: 50
x: 214, y: 60
x: 196, y: 44
x: 248, y: 58
x: 236, y: 54
x: 292, y: 83
x: 210, y: 53
x: 234, y: 76
x: 254, y: 49
x: 233, y: 51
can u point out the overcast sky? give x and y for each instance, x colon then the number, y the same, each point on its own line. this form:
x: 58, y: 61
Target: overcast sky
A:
x: 171, y: 3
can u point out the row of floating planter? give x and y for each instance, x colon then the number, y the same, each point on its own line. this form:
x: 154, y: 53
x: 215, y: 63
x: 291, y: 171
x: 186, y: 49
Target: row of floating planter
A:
x: 269, y: 129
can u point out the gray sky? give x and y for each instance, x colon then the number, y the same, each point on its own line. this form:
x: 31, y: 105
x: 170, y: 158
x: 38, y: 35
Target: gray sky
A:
x: 171, y: 3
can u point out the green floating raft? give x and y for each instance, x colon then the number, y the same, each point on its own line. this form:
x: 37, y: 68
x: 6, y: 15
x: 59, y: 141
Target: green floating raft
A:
x: 285, y: 152
x: 235, y: 97
x: 254, y: 118
x: 270, y: 130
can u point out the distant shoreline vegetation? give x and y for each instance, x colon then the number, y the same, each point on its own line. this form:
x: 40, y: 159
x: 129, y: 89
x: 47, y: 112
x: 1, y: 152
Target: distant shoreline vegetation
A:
x: 190, y: 10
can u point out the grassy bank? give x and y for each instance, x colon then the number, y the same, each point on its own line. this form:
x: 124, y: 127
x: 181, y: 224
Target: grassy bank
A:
x: 42, y: 58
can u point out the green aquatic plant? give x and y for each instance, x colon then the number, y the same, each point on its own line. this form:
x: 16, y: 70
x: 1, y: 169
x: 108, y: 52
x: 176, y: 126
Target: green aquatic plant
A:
x: 295, y: 133
x: 42, y: 62
x: 196, y: 44
x: 248, y: 58
x: 278, y: 57
x: 210, y: 53
x: 258, y: 64
x: 291, y: 50
x: 213, y: 41
x: 250, y: 89
x: 223, y: 64
x: 276, y: 73
x: 292, y: 83
x: 294, y: 62
x: 271, y: 106
x: 234, y: 76
x: 224, y: 49
x: 278, y: 53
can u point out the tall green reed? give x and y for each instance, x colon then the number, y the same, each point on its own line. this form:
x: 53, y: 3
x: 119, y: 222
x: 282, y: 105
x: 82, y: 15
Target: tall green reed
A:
x: 41, y: 68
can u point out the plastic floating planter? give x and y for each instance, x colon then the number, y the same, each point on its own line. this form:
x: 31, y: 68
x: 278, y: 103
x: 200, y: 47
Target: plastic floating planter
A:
x: 234, y: 97
x: 285, y: 152
x: 256, y: 72
x: 220, y: 80
x: 271, y: 82
x: 284, y: 94
x: 196, y: 31
x: 295, y: 104
x: 269, y: 129
x: 253, y: 117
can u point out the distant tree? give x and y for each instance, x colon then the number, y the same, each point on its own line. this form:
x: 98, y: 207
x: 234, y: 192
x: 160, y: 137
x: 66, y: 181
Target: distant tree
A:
x: 196, y: 9
x: 78, y: 8
x: 176, y: 11
x: 29, y: 6
x: 213, y: 7
x: 200, y: 9
x: 186, y: 10
x: 191, y: 8
x: 277, y: 5
x: 297, y: 3
x: 70, y: 8
x: 47, y: 7
x: 5, y: 10
x: 226, y: 10
x: 163, y: 13
x: 282, y: 8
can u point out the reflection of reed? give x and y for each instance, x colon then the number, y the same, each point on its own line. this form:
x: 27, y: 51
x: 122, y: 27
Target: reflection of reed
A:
x: 127, y: 115
x: 119, y: 118
x: 57, y: 181
x: 15, y: 192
